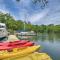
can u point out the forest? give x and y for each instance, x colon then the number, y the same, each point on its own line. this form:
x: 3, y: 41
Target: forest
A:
x: 15, y: 25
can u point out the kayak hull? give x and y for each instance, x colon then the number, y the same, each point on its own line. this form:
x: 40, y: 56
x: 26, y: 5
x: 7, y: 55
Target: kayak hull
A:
x: 19, y: 52
x: 32, y: 56
x: 10, y: 47
x: 14, y: 42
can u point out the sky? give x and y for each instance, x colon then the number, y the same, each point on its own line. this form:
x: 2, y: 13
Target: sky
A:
x: 25, y: 10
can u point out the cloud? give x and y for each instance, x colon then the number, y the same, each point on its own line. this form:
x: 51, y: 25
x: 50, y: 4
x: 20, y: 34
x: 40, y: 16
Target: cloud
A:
x: 50, y: 15
x: 38, y: 16
x: 22, y: 9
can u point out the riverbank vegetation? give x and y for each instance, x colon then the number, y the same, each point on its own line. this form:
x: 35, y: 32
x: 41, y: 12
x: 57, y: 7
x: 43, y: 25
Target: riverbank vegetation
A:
x: 14, y: 25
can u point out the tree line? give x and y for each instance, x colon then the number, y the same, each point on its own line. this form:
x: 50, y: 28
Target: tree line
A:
x: 14, y: 25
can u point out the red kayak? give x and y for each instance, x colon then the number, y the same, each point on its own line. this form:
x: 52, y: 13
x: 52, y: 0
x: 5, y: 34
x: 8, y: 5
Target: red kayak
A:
x: 5, y: 48
x: 24, y: 45
x: 13, y: 43
x: 9, y: 47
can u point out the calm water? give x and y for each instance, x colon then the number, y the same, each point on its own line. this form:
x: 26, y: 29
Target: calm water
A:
x: 50, y: 44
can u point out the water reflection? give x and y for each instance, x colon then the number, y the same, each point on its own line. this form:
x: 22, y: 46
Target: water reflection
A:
x: 50, y: 44
x: 49, y: 37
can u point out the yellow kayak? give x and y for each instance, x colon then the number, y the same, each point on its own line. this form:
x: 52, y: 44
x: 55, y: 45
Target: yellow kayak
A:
x: 32, y: 56
x: 18, y: 52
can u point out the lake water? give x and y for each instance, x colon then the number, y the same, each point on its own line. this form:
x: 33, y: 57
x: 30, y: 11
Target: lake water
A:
x: 50, y: 44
